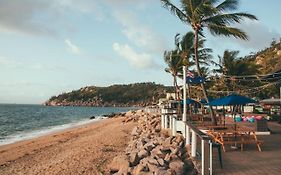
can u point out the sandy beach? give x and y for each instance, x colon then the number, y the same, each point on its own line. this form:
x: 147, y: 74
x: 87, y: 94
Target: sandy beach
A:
x: 86, y: 149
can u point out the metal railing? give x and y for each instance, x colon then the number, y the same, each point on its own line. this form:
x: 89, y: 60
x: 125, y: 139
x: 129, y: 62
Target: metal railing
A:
x: 169, y: 120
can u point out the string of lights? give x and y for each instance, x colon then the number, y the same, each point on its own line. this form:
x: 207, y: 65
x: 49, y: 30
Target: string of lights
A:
x: 248, y: 90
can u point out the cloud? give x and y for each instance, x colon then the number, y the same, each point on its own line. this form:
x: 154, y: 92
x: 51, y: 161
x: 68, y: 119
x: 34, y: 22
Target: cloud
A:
x: 139, y: 33
x: 72, y: 47
x: 8, y: 63
x: 260, y: 36
x: 26, y: 16
x: 43, y: 17
x: 140, y: 61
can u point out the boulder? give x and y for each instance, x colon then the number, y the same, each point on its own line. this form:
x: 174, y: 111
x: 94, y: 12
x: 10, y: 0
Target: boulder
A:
x: 134, y: 158
x: 134, y: 131
x: 142, y: 153
x: 177, y: 167
x: 119, y: 162
x: 149, y: 146
x: 157, y: 153
x: 161, y: 162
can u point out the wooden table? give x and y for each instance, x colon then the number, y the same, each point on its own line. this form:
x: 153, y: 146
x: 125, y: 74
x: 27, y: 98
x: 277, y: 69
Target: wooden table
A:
x: 239, y: 136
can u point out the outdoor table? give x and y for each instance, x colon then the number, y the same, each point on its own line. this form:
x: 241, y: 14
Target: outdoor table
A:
x: 229, y: 137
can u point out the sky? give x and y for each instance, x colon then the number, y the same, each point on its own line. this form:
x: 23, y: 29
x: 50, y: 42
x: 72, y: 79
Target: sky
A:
x: 48, y: 47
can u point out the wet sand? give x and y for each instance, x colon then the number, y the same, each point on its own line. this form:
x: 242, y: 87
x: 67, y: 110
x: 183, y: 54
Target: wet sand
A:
x: 86, y: 149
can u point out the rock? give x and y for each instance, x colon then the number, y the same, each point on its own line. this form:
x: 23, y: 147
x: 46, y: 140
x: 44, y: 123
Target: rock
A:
x: 149, y: 146
x: 177, y: 167
x: 142, y: 154
x: 167, y: 158
x: 134, y: 131
x: 161, y: 161
x: 93, y: 117
x: 124, y: 171
x: 134, y: 158
x: 153, y: 169
x: 152, y: 161
x: 119, y: 162
x: 157, y: 153
x: 138, y: 169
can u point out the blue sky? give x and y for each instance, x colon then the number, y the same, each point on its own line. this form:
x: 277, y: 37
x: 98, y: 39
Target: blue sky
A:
x: 52, y: 46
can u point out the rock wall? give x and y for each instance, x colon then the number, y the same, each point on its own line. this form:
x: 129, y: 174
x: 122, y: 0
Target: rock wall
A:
x: 150, y: 150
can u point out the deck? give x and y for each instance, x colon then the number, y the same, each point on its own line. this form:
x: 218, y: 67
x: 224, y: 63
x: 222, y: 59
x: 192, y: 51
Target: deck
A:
x: 251, y: 161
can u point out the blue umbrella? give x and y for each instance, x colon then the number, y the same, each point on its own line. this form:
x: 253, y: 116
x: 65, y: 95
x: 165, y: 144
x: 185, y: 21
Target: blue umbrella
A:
x: 230, y: 100
x: 190, y: 101
x: 233, y: 99
x: 203, y: 101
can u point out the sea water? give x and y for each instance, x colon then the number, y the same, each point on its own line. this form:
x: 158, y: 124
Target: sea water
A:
x: 21, y: 122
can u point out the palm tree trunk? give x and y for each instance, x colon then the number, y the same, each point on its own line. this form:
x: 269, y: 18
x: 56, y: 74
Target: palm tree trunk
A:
x: 214, y: 121
x: 175, y: 86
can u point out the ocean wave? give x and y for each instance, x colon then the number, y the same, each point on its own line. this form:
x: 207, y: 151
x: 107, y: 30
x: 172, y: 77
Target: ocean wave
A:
x: 44, y: 131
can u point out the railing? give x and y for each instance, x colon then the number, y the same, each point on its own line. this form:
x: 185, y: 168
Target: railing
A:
x: 152, y: 109
x: 192, y: 134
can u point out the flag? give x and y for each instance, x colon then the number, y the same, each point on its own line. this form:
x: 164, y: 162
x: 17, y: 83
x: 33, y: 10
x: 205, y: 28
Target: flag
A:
x: 189, y: 74
x: 196, y: 80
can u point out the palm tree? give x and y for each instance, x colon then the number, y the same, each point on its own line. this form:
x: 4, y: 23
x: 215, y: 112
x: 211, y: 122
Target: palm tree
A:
x: 174, y: 62
x: 200, y: 14
x: 231, y: 65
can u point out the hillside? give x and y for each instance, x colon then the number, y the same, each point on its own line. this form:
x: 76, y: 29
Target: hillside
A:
x: 138, y: 94
x: 269, y: 59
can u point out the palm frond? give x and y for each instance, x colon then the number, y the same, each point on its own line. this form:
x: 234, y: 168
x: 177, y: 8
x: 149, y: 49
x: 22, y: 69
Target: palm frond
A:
x: 175, y: 10
x: 228, y: 5
x: 227, y: 31
x: 227, y: 19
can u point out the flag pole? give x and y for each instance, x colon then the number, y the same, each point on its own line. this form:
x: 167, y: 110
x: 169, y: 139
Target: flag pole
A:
x: 184, y: 95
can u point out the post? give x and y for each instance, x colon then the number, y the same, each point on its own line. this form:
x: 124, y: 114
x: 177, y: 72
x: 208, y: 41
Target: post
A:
x: 174, y: 130
x: 211, y: 156
x: 187, y: 138
x: 170, y: 122
x: 280, y: 92
x: 163, y: 118
x: 184, y: 94
x: 205, y: 157
x: 166, y: 122
x: 193, y: 144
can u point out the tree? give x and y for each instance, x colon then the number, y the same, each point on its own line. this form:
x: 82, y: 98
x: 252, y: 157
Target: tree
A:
x: 230, y: 65
x: 200, y: 14
x: 174, y: 62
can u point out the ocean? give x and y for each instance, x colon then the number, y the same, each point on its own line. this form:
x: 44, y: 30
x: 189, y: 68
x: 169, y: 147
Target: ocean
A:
x: 21, y: 122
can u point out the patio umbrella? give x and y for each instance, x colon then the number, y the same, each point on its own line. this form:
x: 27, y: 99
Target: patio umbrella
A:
x: 190, y: 101
x: 232, y: 100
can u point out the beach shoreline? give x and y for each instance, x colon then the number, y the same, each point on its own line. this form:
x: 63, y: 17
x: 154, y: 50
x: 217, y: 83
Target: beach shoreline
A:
x: 84, y: 149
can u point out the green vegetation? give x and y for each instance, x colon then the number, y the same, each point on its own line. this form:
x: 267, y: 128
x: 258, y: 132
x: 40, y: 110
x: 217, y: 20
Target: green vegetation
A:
x: 214, y: 16
x: 138, y: 94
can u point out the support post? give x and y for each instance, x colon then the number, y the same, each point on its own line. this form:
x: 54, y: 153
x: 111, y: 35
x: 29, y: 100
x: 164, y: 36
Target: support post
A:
x: 162, y: 119
x: 166, y: 122
x: 193, y: 144
x: 174, y: 130
x: 187, y: 131
x: 211, y: 157
x: 171, y: 122
x: 184, y: 95
x: 205, y: 157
